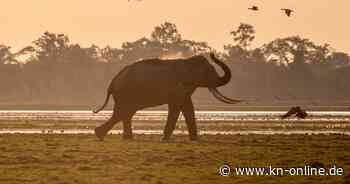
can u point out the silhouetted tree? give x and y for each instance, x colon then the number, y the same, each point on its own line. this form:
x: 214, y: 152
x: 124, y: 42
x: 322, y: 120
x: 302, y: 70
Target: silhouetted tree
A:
x: 286, y: 49
x: 93, y: 51
x: 109, y: 54
x: 243, y: 35
x: 141, y: 48
x: 9, y: 70
x: 339, y: 59
x: 50, y: 46
x: 166, y: 33
x: 6, y: 56
x: 165, y: 41
x: 196, y: 47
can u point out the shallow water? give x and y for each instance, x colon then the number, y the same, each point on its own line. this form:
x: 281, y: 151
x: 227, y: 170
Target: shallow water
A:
x: 314, y: 116
x: 318, y: 122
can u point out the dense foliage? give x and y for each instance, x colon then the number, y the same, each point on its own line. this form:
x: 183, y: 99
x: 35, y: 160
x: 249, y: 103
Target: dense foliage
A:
x: 53, y: 71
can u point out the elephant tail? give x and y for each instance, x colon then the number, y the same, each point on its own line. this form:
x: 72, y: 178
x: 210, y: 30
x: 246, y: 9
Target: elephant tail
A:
x: 113, y: 86
x: 105, y: 103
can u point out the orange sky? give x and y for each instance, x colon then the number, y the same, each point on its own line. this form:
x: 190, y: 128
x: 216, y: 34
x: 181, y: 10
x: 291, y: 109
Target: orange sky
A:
x: 114, y: 21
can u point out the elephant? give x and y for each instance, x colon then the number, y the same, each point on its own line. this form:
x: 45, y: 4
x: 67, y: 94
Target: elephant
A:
x: 153, y: 82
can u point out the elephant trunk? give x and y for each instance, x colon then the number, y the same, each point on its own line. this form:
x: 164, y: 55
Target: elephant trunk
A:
x: 223, y: 98
x: 227, y: 72
x: 222, y: 81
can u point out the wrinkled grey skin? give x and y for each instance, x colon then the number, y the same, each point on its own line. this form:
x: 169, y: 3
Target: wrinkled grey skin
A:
x: 155, y: 82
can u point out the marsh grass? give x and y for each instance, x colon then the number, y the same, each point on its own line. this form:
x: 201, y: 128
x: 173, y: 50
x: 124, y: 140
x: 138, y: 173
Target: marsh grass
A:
x: 54, y: 158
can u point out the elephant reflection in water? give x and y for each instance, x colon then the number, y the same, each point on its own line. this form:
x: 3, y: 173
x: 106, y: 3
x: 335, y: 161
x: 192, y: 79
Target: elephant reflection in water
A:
x: 154, y: 82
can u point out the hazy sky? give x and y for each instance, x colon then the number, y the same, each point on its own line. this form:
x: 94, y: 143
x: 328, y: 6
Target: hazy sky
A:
x: 114, y: 21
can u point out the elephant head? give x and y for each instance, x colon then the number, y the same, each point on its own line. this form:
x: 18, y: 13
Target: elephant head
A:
x: 200, y: 73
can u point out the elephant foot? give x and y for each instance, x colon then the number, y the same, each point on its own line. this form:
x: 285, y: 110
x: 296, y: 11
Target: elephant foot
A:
x: 100, y: 133
x: 165, y: 139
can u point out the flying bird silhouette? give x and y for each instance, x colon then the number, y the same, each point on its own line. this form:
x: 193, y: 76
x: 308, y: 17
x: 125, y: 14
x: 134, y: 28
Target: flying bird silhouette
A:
x: 287, y: 11
x: 254, y: 8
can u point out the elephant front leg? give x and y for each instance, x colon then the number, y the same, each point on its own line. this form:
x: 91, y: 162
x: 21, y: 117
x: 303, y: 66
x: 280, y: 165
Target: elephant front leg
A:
x: 173, y: 115
x: 188, y: 112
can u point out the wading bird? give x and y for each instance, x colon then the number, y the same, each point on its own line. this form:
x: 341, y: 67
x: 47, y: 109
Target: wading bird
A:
x: 297, y: 111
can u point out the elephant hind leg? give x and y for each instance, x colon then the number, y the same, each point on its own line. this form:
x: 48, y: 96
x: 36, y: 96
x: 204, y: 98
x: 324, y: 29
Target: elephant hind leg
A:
x: 119, y: 114
x: 127, y: 128
x: 102, y: 130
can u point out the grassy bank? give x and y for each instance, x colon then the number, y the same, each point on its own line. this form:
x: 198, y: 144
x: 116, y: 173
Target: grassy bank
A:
x: 49, y: 158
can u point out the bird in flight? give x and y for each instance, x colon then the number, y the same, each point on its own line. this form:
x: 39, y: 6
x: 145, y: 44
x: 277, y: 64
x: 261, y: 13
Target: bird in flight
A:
x: 254, y: 8
x: 287, y: 11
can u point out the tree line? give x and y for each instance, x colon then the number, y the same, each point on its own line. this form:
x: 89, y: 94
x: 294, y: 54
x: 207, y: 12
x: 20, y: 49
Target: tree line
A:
x: 54, y: 71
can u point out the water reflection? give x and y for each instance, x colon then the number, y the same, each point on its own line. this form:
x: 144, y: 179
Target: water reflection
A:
x: 319, y: 116
x: 177, y: 132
